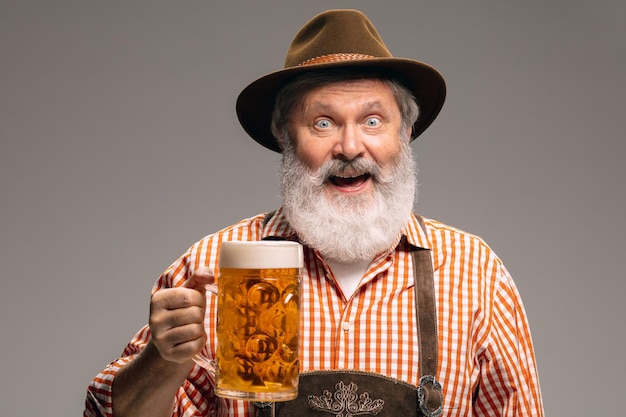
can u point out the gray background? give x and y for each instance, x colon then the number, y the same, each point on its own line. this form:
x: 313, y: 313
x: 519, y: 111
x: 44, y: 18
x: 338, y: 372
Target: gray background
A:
x: 120, y: 148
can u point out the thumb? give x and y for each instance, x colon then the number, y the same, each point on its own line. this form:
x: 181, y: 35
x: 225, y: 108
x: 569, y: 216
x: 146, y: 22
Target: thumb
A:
x: 200, y: 278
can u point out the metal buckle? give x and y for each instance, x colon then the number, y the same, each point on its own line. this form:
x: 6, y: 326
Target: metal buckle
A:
x: 421, y: 396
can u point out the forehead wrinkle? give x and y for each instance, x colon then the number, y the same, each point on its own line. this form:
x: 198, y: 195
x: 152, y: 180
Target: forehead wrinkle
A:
x: 323, y: 107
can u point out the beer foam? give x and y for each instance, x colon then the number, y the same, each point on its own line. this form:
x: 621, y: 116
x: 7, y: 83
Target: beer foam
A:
x: 261, y: 254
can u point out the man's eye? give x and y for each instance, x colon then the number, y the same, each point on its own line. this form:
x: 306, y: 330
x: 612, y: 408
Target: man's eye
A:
x: 372, y: 121
x: 323, y: 124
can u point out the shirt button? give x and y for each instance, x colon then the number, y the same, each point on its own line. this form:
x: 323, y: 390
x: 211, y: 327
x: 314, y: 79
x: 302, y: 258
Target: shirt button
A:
x: 347, y: 326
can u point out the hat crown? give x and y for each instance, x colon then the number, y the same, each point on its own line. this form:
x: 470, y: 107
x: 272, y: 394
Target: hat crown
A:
x: 336, y: 32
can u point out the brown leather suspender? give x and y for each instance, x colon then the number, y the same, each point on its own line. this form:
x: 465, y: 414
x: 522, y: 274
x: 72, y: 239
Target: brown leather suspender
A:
x: 429, y: 390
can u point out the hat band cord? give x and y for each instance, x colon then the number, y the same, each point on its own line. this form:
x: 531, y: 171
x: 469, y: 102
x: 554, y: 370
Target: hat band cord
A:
x: 335, y: 58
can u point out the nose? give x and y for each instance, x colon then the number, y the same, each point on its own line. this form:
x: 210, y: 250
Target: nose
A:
x: 349, y: 144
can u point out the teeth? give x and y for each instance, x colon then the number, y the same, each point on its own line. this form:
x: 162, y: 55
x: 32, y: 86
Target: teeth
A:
x: 349, y: 176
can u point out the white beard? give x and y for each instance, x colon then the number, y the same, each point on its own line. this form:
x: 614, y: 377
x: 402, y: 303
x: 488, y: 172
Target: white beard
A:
x: 354, y: 227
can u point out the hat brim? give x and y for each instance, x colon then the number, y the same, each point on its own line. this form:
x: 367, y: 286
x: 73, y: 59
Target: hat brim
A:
x: 256, y: 101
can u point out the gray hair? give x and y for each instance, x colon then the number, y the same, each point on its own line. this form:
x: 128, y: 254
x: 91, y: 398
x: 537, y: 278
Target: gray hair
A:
x: 291, y: 95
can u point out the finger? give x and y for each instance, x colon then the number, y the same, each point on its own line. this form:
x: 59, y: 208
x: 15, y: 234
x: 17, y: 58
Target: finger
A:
x: 174, y: 298
x: 180, y: 344
x: 200, y: 278
x: 182, y: 352
x: 181, y: 334
x: 170, y: 319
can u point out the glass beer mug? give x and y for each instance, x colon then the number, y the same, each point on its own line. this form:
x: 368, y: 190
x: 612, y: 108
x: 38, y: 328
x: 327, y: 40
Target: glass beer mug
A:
x: 258, y: 320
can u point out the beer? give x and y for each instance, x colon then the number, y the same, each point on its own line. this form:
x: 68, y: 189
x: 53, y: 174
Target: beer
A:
x: 258, y: 320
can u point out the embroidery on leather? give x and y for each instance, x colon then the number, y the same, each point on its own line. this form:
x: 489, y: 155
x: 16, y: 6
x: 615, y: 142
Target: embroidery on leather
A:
x: 345, y: 402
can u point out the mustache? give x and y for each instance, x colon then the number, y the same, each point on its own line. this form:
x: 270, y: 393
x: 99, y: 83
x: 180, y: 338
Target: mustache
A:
x: 353, y: 167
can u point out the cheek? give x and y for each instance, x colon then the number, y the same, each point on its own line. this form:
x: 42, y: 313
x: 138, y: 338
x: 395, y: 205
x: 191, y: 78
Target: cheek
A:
x: 386, y: 155
x: 311, y: 161
x: 312, y: 156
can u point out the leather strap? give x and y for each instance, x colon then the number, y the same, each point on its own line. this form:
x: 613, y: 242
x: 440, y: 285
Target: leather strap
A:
x: 429, y: 390
x: 426, y: 313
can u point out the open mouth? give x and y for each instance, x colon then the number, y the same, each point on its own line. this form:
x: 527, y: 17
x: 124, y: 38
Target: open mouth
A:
x: 349, y: 181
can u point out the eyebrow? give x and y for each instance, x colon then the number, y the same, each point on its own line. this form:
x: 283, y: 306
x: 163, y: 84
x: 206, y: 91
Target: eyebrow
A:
x: 322, y: 106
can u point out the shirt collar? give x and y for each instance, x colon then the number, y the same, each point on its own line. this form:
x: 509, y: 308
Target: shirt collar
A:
x: 276, y: 226
x: 416, y: 234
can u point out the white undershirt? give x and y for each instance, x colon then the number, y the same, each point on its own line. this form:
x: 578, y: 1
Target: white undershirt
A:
x: 348, y: 275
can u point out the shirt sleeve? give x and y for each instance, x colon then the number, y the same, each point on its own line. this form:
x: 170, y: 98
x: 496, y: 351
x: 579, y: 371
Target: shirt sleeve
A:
x: 509, y: 383
x: 195, y: 397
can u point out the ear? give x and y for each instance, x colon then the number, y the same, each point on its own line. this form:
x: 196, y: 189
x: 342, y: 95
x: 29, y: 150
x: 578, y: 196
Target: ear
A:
x: 409, y: 132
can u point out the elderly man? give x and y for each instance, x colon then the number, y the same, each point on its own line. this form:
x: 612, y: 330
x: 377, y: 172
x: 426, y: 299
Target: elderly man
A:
x: 342, y: 112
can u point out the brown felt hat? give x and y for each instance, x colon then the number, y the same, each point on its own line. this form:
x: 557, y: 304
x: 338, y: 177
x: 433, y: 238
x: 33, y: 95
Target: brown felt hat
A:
x: 338, y: 39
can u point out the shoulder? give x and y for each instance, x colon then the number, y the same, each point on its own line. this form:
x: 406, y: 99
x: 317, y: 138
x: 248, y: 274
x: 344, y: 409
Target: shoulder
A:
x: 246, y: 229
x: 440, y: 233
x: 465, y: 262
x: 456, y: 248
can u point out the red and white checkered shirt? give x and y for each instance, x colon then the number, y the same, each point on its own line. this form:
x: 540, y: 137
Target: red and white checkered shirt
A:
x: 486, y: 359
